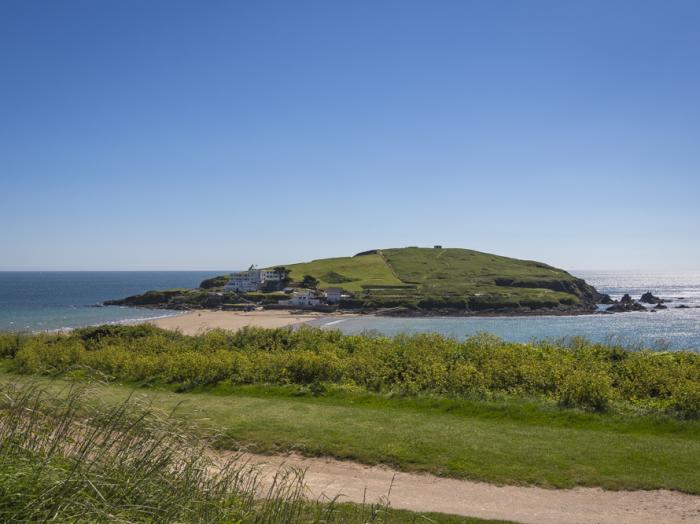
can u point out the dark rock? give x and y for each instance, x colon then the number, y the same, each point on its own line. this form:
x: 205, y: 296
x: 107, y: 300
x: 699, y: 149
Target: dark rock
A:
x: 626, y: 307
x: 660, y: 306
x: 682, y: 306
x: 648, y: 298
x: 606, y: 300
x: 626, y: 299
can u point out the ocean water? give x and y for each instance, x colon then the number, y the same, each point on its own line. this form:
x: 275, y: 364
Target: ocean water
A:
x: 668, y: 329
x: 51, y: 300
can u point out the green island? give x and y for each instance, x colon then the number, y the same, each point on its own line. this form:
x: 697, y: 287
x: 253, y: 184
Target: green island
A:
x: 403, y: 281
x: 549, y: 414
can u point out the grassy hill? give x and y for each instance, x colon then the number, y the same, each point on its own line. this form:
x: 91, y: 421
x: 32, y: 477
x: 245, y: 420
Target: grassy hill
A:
x: 430, y: 278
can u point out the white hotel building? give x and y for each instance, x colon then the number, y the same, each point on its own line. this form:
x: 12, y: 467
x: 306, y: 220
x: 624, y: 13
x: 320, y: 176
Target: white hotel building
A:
x: 250, y: 280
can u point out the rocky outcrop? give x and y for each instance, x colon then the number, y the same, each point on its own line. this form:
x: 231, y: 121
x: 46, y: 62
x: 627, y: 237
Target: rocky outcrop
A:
x: 215, y: 282
x: 173, y: 299
x: 626, y: 307
x: 148, y: 299
x: 649, y: 298
x: 660, y: 306
x: 626, y: 299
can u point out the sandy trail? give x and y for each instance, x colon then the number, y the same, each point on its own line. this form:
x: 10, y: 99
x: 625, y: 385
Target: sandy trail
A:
x: 354, y: 482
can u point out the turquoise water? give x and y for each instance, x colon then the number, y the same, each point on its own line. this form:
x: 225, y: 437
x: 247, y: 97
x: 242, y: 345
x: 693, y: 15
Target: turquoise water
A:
x: 672, y: 328
x: 52, y: 300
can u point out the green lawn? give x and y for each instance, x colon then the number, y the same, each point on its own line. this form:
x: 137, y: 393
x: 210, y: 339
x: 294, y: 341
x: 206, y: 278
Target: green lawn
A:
x: 508, y: 443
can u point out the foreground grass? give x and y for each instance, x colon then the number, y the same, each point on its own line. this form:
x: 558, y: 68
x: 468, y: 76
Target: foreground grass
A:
x: 66, y: 456
x: 507, y: 442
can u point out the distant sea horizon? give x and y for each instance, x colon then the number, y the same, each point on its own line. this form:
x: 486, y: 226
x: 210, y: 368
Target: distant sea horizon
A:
x: 57, y: 300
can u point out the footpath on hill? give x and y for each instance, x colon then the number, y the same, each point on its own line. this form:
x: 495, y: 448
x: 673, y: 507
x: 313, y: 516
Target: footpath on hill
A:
x: 351, y: 482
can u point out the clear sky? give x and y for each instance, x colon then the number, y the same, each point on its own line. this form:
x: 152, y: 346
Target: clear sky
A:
x: 212, y: 135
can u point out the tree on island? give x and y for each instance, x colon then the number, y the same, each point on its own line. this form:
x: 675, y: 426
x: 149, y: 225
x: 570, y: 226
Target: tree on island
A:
x: 283, y: 273
x: 309, y: 282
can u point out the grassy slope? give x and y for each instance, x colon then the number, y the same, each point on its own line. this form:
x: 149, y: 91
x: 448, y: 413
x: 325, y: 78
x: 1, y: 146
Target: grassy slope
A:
x: 365, y: 270
x: 463, y: 271
x: 509, y: 443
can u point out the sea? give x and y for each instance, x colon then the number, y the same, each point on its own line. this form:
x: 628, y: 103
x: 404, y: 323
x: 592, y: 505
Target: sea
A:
x: 48, y: 301
x: 58, y: 300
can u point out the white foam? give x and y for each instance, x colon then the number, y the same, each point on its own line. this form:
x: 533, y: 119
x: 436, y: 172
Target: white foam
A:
x: 334, y: 322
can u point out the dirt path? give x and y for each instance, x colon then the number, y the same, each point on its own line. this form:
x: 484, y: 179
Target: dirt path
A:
x: 426, y: 493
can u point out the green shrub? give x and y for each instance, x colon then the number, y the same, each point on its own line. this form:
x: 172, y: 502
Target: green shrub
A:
x: 10, y: 344
x: 464, y: 379
x: 49, y: 354
x: 586, y: 389
x: 686, y: 400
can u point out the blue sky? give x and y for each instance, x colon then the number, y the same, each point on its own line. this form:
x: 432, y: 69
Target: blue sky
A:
x: 212, y: 135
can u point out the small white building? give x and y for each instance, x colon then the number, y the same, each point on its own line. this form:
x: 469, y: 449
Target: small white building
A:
x: 333, y: 295
x: 304, y: 298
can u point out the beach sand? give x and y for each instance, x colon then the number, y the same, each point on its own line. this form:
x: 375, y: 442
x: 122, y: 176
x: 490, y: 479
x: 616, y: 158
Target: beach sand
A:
x: 196, y: 322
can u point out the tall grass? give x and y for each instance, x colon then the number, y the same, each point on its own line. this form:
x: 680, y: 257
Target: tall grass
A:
x: 574, y: 374
x: 64, y: 458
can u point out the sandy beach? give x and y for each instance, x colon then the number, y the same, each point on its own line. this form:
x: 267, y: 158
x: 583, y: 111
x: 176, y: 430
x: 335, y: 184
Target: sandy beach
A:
x: 198, y: 321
